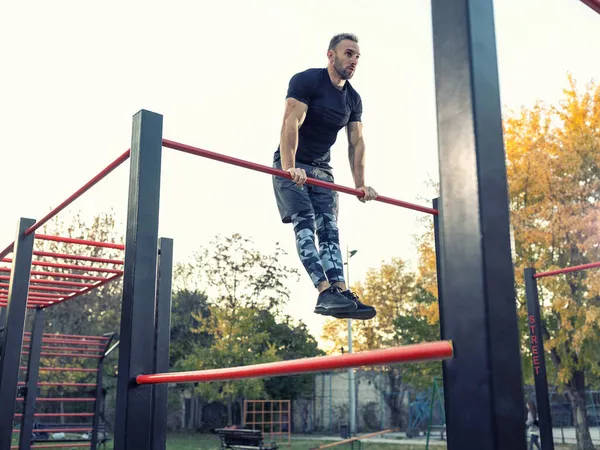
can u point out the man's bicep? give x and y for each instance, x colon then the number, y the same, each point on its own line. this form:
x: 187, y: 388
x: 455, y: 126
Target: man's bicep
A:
x: 295, y: 110
x: 354, y: 130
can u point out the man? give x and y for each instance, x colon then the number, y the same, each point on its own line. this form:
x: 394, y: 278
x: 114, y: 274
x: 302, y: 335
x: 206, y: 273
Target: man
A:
x: 319, y: 103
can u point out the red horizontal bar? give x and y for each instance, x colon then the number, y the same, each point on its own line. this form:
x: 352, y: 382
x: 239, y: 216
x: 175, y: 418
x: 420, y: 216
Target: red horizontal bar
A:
x: 36, y: 295
x: 410, y: 353
x: 272, y: 171
x: 68, y: 240
x: 55, y: 430
x: 5, y: 304
x: 103, y: 173
x: 78, y: 257
x: 68, y: 341
x: 60, y: 414
x: 48, y: 281
x: 62, y: 369
x: 594, y: 4
x: 47, y: 383
x: 70, y: 266
x: 74, y: 355
x: 567, y: 270
x: 15, y: 447
x: 44, y: 288
x: 69, y: 349
x: 30, y: 300
x: 86, y: 290
x: 61, y: 399
x: 71, y: 336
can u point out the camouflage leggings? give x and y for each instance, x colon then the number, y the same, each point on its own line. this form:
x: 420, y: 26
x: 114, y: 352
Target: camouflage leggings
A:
x: 324, y: 264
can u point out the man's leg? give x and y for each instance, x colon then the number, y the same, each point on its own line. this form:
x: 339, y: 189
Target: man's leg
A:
x: 325, y: 204
x: 295, y: 207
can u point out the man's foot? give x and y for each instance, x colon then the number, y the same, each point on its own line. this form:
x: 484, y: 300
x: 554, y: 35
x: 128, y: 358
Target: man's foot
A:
x: 332, y: 302
x: 362, y: 312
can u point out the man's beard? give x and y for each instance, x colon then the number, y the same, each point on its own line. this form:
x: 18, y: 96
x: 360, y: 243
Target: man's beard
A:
x: 339, y: 68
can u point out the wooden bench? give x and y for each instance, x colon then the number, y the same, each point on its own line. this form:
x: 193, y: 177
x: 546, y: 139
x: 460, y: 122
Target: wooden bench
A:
x: 239, y: 438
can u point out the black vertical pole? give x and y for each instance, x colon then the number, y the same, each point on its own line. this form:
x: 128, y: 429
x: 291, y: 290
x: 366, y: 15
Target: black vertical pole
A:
x: 482, y: 383
x: 534, y: 318
x: 134, y: 403
x: 438, y: 260
x: 98, y: 406
x: 33, y: 372
x: 161, y: 342
x: 12, y: 338
x: 2, y: 325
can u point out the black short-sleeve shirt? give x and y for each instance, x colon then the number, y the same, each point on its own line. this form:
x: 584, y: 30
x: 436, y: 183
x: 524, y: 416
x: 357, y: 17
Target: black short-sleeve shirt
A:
x: 329, y: 110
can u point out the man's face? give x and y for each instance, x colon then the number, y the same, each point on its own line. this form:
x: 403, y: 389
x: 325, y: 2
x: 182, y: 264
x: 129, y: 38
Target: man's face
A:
x: 345, y: 59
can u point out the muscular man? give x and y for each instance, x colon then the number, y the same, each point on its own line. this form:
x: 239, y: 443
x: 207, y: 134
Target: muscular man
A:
x: 319, y: 103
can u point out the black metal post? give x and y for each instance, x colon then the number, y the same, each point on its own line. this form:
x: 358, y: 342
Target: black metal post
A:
x: 98, y: 402
x: 534, y: 318
x: 482, y: 383
x: 438, y: 260
x: 162, y: 341
x: 134, y: 403
x: 12, y: 338
x: 33, y: 375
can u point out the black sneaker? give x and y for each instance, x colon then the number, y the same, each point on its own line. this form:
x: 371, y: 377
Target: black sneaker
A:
x: 362, y: 312
x: 331, y: 302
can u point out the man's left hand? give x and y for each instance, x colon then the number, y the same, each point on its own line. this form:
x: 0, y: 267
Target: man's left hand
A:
x: 370, y: 193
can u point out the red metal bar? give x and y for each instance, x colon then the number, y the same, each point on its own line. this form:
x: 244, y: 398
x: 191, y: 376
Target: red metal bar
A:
x: 68, y: 240
x: 54, y: 282
x: 61, y: 399
x: 71, y: 355
x: 60, y: 414
x: 272, y: 171
x: 5, y: 304
x: 62, y: 369
x: 56, y: 430
x: 37, y: 296
x: 594, y: 4
x: 70, y: 266
x: 45, y: 288
x: 68, y: 341
x: 78, y: 257
x: 47, y: 383
x: 82, y: 190
x: 567, y: 270
x: 7, y: 251
x: 71, y: 336
x: 70, y: 349
x: 86, y: 290
x: 15, y: 447
x: 430, y: 351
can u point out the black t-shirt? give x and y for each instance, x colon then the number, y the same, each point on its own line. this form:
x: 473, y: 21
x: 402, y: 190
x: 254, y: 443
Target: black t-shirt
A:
x: 329, y: 110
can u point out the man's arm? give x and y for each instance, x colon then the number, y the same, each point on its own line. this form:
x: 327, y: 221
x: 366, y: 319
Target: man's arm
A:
x: 356, y: 153
x: 295, y: 113
x: 356, y: 157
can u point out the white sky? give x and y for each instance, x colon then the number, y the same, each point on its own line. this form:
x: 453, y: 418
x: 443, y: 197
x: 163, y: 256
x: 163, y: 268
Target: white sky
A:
x: 75, y: 72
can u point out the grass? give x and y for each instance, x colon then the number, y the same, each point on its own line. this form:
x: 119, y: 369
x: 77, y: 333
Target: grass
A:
x: 196, y: 441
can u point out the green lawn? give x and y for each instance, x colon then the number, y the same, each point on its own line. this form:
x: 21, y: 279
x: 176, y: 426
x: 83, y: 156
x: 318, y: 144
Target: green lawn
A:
x: 196, y: 441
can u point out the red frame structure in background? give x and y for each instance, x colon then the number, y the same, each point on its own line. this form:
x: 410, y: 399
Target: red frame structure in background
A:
x: 269, y: 418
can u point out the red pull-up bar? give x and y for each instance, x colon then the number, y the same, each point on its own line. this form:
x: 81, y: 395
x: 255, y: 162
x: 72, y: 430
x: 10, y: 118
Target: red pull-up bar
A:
x: 430, y: 351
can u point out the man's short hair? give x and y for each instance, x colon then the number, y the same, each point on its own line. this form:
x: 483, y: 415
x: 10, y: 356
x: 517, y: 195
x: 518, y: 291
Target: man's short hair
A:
x: 333, y: 43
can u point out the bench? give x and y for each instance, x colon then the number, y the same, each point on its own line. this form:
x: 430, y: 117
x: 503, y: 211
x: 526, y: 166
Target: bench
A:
x: 239, y: 438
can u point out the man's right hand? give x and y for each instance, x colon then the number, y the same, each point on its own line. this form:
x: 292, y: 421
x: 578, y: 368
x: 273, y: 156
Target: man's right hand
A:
x: 298, y: 175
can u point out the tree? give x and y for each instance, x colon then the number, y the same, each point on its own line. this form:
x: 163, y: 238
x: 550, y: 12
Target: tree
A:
x: 402, y: 306
x: 247, y: 290
x: 554, y: 182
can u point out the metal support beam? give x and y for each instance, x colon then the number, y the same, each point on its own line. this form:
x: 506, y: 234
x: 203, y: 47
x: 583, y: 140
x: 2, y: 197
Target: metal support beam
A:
x: 534, y: 319
x: 162, y: 342
x: 482, y: 383
x: 134, y: 403
x: 12, y: 338
x: 33, y: 375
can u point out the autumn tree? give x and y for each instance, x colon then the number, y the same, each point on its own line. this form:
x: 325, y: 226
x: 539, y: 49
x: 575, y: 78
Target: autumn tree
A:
x: 402, y: 305
x: 554, y: 181
x: 247, y: 290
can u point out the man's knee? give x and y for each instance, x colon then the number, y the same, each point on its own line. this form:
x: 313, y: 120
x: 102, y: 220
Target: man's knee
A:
x: 327, y: 228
